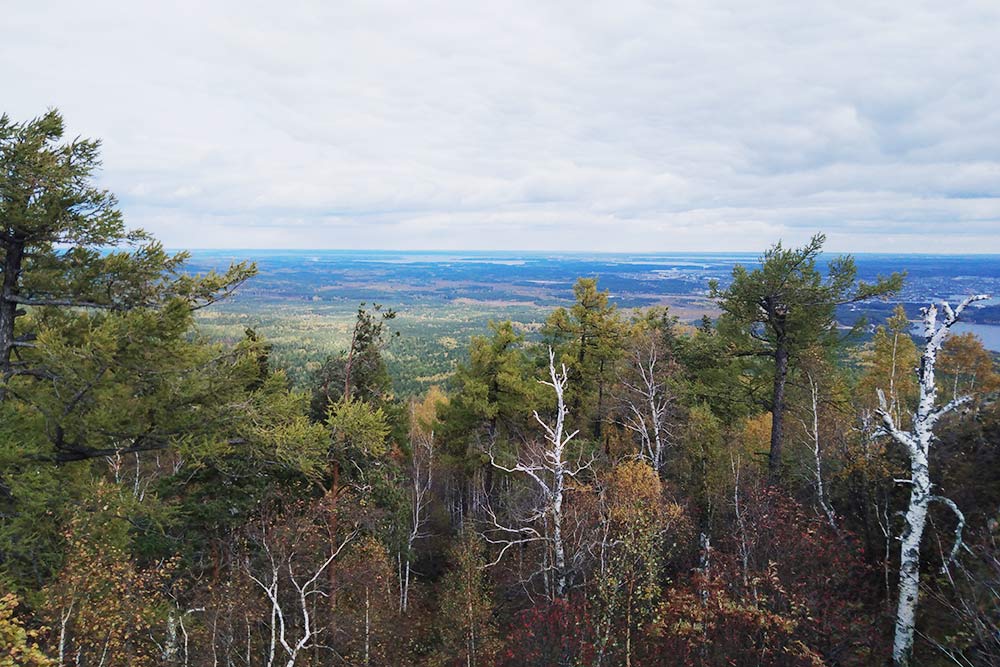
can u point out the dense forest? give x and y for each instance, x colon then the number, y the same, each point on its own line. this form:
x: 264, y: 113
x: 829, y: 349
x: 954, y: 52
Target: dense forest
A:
x: 619, y: 489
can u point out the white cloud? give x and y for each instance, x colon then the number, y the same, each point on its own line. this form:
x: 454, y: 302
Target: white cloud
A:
x: 615, y: 126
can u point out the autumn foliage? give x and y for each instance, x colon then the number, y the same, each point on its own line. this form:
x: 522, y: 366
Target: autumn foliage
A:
x: 602, y: 489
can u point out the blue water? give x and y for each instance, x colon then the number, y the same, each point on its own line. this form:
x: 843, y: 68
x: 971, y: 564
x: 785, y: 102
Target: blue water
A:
x: 989, y: 334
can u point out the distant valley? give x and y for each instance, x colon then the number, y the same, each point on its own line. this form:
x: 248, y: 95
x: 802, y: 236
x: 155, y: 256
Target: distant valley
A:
x: 305, y: 301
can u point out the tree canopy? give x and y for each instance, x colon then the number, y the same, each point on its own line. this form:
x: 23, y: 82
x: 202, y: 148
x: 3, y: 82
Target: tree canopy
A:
x: 785, y: 306
x: 585, y: 489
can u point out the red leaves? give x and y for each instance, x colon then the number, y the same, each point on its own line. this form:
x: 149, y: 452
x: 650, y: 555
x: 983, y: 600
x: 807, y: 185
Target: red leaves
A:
x: 552, y: 633
x: 799, y: 599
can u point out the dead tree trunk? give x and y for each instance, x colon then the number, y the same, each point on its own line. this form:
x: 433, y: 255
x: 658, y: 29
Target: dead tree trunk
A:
x: 812, y: 429
x: 917, y: 442
x: 422, y: 473
x: 283, y: 613
x: 647, y: 404
x: 548, y: 467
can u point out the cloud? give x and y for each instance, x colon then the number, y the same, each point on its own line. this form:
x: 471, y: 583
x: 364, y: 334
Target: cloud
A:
x: 523, y: 125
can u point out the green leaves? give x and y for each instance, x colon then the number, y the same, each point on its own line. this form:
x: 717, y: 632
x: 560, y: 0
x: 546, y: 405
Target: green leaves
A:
x: 588, y: 339
x: 493, y: 394
x: 65, y: 252
x: 788, y: 298
x: 45, y: 195
x: 783, y: 308
x: 99, y: 360
x: 358, y: 426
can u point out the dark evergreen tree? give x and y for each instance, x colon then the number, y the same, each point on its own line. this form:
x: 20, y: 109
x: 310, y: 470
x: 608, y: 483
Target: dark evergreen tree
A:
x: 788, y: 305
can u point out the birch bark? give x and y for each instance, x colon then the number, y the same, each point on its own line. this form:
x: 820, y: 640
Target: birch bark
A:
x: 917, y: 443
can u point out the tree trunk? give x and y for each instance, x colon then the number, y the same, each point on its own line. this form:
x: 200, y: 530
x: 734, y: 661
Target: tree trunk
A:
x: 599, y: 417
x: 333, y: 528
x: 628, y: 625
x: 920, y: 498
x: 778, y: 410
x: 470, y: 658
x: 827, y: 508
x: 64, y: 618
x: 13, y: 258
x: 368, y: 628
x: 917, y: 442
x: 171, y: 648
x: 557, y: 540
x: 909, y: 565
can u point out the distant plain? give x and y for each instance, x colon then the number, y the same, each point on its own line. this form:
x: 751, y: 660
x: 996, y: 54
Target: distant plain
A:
x: 304, y: 302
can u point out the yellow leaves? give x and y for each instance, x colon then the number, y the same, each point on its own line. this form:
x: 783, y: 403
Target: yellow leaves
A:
x: 890, y: 362
x: 18, y: 647
x: 755, y: 435
x: 424, y: 413
x: 633, y: 493
x: 106, y: 600
x: 965, y: 367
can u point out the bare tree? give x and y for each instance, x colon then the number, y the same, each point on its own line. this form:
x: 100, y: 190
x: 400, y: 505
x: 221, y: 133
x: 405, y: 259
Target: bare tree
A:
x: 812, y: 430
x: 646, y: 402
x: 421, y: 480
x: 288, y: 615
x: 917, y: 442
x: 970, y: 596
x: 546, y: 464
x: 743, y: 546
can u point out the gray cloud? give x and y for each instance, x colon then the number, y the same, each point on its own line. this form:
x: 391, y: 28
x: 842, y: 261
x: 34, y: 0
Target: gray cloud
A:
x: 617, y: 126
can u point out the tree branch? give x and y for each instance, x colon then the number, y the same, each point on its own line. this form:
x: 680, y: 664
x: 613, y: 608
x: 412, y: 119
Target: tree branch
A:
x: 958, y: 530
x: 67, y: 303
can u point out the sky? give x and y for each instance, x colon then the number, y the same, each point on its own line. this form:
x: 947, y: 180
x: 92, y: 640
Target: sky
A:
x: 618, y: 126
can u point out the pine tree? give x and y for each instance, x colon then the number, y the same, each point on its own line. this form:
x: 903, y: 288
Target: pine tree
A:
x: 55, y: 227
x: 588, y: 339
x: 785, y: 306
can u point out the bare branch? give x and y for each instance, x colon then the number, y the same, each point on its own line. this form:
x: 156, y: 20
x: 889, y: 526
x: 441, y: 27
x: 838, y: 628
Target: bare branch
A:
x: 546, y: 465
x: 951, y: 405
x: 958, y: 530
x: 918, y: 443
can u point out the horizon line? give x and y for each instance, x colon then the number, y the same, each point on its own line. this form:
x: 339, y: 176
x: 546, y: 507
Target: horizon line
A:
x: 581, y: 252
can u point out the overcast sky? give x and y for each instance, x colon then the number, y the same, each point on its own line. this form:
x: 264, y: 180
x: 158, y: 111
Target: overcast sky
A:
x: 623, y: 125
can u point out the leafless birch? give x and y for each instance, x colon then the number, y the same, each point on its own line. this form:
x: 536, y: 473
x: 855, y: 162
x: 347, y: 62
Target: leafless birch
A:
x: 917, y: 442
x: 422, y: 478
x: 647, y: 403
x: 546, y: 464
x: 281, y: 568
x: 812, y: 430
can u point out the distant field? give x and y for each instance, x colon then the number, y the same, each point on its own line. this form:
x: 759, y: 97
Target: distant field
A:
x: 432, y: 338
x: 304, y: 302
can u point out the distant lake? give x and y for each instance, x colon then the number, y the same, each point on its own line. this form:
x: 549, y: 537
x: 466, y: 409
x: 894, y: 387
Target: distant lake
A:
x: 988, y: 333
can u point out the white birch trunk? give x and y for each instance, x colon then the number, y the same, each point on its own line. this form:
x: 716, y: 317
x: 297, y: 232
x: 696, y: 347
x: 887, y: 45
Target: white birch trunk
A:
x: 368, y: 628
x: 813, y: 429
x: 647, y: 406
x: 917, y: 442
x: 282, y: 618
x: 170, y: 647
x: 64, y: 618
x: 549, y: 470
x: 422, y: 473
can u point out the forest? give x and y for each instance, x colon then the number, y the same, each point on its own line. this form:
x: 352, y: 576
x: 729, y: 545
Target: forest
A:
x: 620, y: 489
